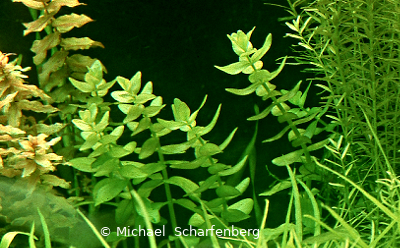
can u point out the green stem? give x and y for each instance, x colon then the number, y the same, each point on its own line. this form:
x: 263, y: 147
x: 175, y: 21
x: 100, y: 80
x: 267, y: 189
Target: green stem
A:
x: 308, y: 164
x: 167, y: 189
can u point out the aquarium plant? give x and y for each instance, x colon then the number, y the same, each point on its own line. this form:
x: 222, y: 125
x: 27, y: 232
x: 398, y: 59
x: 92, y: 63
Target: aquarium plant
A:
x: 66, y: 162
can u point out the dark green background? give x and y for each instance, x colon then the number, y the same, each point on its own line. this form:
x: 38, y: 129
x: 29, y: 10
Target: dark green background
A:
x: 176, y: 45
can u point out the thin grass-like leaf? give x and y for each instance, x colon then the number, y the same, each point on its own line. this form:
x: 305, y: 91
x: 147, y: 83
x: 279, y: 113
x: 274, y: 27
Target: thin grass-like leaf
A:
x: 94, y: 229
x: 47, y: 240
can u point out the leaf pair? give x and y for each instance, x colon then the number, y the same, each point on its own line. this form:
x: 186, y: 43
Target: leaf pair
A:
x: 243, y: 48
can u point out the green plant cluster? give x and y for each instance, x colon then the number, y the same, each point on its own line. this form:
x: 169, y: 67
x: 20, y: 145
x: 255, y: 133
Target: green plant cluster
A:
x: 348, y: 197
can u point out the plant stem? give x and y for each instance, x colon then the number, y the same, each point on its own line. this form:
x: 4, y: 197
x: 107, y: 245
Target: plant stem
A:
x: 167, y: 189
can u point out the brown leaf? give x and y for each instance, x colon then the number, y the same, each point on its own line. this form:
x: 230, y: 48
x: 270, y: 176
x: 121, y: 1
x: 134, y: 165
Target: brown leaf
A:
x: 5, y: 137
x: 57, y: 78
x: 32, y: 4
x: 10, y: 130
x: 26, y: 91
x: 57, y: 4
x: 67, y: 22
x: 36, y: 106
x: 79, y: 43
x: 79, y: 63
x: 14, y: 115
x: 9, y: 172
x: 49, y: 129
x: 39, y: 24
x: 40, y: 47
x: 53, y: 64
x: 55, y: 181
x: 9, y: 98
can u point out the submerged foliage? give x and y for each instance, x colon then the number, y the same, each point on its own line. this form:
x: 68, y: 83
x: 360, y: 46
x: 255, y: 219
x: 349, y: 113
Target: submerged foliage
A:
x: 126, y: 163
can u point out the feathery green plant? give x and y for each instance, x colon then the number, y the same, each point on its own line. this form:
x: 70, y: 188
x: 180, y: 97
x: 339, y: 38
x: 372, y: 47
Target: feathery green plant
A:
x: 352, y: 48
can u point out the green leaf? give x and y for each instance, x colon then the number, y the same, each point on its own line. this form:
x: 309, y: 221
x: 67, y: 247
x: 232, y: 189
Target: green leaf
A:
x: 113, y: 136
x: 103, y: 158
x: 94, y: 76
x: 210, y: 181
x: 106, y: 167
x: 144, y: 124
x: 82, y: 86
x: 91, y: 140
x: 107, y: 139
x: 125, y: 83
x: 275, y: 73
x: 177, y: 148
x: 152, y: 168
x: 292, y: 136
x: 294, y: 156
x: 103, y: 122
x: 134, y: 84
x: 209, y: 149
x: 227, y: 191
x: 151, y: 111
x: 131, y: 171
x: 102, y: 149
x: 288, y: 159
x: 228, y: 140
x: 180, y: 110
x: 276, y: 111
x: 241, y: 42
x: 189, y: 165
x: 211, y: 125
x: 244, y: 205
x: 130, y: 147
x: 152, y: 209
x: 115, y: 237
x: 214, y: 169
x: 186, y: 203
x: 132, y: 111
x: 234, y: 68
x: 277, y: 136
x: 262, y: 115
x: 263, y: 50
x: 147, y: 89
x: 288, y: 116
x: 117, y: 151
x: 234, y: 215
x: 187, y: 185
x: 290, y: 94
x: 301, y: 141
x: 303, y: 98
x: 234, y: 169
x: 8, y: 238
x: 171, y: 125
x: 277, y: 188
x: 124, y: 211
x: 310, y: 131
x: 243, y: 185
x: 82, y: 164
x: 193, y: 116
x: 82, y: 125
x: 243, y: 92
x: 147, y: 187
x: 197, y: 220
x: 107, y: 189
x: 103, y: 87
x: 143, y: 98
x: 148, y: 148
x: 122, y: 96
